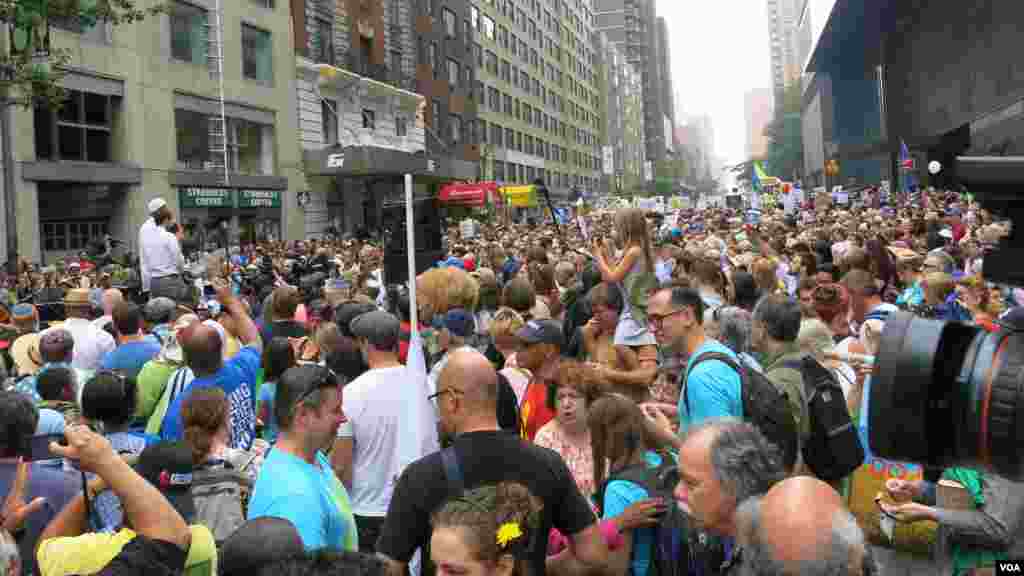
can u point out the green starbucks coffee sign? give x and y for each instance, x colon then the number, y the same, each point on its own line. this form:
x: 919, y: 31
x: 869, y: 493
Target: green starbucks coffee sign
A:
x: 226, y: 198
x: 207, y: 198
x: 259, y: 198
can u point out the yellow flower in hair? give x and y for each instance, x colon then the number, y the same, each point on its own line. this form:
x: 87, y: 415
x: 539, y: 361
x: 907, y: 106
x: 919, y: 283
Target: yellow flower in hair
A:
x: 508, y: 532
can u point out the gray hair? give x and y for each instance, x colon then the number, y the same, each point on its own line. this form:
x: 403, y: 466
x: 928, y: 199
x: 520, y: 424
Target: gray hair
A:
x: 734, y: 326
x: 846, y: 543
x: 744, y: 461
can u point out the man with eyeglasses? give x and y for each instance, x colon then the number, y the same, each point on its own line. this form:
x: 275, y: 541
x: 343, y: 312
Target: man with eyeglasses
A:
x: 710, y: 388
x: 390, y: 423
x: 296, y: 481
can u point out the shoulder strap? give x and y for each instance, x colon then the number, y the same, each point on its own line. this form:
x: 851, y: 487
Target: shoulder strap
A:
x: 452, y: 471
x: 720, y: 356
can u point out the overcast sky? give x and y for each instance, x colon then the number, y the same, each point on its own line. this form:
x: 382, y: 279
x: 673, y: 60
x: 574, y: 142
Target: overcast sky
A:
x: 719, y: 50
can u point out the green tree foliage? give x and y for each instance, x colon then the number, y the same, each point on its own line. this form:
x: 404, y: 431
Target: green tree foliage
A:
x: 785, y: 136
x: 30, y: 66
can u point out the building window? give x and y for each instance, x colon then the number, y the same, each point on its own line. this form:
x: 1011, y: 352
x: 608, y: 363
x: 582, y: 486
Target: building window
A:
x: 432, y: 58
x: 428, y: 8
x: 324, y: 42
x: 488, y: 27
x: 474, y: 17
x: 454, y: 128
x: 499, y: 171
x: 491, y: 62
x: 453, y: 74
x: 478, y: 53
x: 468, y: 81
x: 329, y: 121
x: 369, y: 119
x: 482, y: 129
x: 268, y: 4
x: 401, y: 129
x: 505, y: 70
x: 58, y: 236
x: 435, y: 114
x: 250, y: 145
x: 257, y: 56
x: 494, y: 98
x: 496, y: 135
x: 188, y: 32
x: 449, y: 23
x: 510, y: 138
x: 81, y: 130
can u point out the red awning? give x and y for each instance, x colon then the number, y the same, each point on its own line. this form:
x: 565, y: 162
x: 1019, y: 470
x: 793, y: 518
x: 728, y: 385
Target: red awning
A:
x: 469, y: 194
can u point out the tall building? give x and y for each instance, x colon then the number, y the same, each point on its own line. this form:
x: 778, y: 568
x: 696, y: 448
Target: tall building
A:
x: 757, y: 105
x: 622, y: 109
x: 663, y: 83
x: 631, y: 25
x: 365, y: 71
x: 146, y: 117
x: 702, y: 134
x: 540, y: 98
x: 783, y: 18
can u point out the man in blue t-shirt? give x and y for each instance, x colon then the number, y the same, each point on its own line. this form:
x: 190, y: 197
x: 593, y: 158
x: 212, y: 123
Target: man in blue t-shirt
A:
x: 711, y: 388
x: 134, y: 349
x: 296, y: 481
x: 202, y: 344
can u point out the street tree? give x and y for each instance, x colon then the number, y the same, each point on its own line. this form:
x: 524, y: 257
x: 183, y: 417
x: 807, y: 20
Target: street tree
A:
x: 31, y: 66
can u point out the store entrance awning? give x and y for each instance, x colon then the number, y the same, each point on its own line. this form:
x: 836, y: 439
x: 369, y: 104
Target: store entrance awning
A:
x: 469, y: 194
x: 353, y: 161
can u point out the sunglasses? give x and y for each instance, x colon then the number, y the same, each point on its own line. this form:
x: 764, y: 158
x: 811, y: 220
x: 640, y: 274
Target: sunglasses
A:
x: 326, y: 378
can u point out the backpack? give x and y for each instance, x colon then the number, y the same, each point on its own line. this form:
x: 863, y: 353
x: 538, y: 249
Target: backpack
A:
x: 678, y: 548
x: 220, y: 493
x: 833, y: 450
x: 764, y: 406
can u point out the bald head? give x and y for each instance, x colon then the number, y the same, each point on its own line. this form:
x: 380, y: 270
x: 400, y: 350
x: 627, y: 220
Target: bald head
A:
x: 202, y: 347
x: 111, y: 297
x: 800, y: 526
x: 471, y: 372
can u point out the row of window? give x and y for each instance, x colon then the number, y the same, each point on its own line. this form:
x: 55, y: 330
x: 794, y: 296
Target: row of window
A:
x: 511, y: 172
x: 500, y: 102
x: 329, y: 121
x: 499, y: 137
x: 189, y: 41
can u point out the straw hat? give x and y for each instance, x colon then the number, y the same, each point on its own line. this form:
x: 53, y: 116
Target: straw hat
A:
x: 25, y: 352
x: 77, y: 297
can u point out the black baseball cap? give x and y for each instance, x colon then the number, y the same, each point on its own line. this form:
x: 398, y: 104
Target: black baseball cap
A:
x: 168, y: 466
x: 542, y: 332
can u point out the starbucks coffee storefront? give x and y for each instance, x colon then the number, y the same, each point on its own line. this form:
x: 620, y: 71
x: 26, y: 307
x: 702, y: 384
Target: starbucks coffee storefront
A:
x: 244, y: 215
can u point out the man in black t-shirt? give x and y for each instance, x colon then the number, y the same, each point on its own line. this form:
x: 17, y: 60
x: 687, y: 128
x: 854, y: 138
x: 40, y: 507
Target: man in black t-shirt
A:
x: 466, y: 398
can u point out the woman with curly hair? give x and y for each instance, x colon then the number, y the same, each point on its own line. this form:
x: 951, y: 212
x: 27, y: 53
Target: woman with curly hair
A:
x: 486, y: 531
x: 567, y: 433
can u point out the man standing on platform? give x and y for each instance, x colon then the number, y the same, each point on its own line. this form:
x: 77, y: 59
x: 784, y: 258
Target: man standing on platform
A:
x: 160, y: 259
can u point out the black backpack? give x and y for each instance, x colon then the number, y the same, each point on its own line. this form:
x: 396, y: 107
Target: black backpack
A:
x: 678, y: 548
x: 833, y: 450
x: 764, y: 406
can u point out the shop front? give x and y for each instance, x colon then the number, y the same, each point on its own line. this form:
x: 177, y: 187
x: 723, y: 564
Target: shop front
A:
x: 464, y: 200
x: 358, y: 181
x: 215, y: 217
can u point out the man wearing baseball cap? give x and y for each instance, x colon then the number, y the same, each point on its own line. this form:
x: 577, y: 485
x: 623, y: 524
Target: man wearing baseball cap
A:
x: 160, y: 258
x: 543, y: 342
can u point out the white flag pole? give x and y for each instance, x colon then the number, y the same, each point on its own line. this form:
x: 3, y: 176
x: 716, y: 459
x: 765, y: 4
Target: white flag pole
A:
x: 410, y: 249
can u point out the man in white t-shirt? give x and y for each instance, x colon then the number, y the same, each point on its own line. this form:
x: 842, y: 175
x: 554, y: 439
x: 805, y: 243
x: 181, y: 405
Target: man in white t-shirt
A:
x: 383, y: 432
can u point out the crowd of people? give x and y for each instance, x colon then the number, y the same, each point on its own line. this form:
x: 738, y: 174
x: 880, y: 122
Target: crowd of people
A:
x: 574, y: 399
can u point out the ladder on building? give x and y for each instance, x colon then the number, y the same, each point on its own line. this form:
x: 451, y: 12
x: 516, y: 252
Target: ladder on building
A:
x: 217, y: 124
